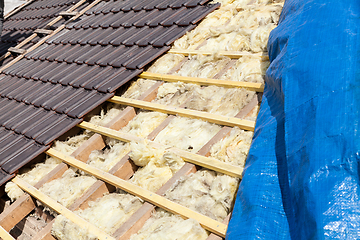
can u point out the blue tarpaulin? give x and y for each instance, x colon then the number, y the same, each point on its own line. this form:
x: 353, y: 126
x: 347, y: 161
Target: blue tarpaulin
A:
x: 301, y: 179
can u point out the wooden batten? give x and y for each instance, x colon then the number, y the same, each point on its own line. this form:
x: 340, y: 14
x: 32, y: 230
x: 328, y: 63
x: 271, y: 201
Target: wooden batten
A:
x: 68, y: 14
x: 216, y: 237
x: 259, y: 87
x: 213, y: 118
x: 230, y: 54
x: 138, y: 219
x: 43, y: 31
x: 187, y: 156
x: 18, y: 51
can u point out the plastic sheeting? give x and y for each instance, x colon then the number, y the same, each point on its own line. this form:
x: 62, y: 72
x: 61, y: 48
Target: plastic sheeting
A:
x: 301, y: 179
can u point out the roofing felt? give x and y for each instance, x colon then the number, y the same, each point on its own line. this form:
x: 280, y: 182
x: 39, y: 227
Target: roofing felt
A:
x: 49, y: 90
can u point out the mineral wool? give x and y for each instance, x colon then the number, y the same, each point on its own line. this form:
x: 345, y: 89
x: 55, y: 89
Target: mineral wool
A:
x: 247, y: 69
x: 167, y: 226
x: 187, y: 134
x: 255, y: 2
x: 138, y: 87
x: 234, y: 148
x: 212, y: 99
x: 141, y: 126
x: 255, y: 16
x: 219, y: 100
x: 107, y: 213
x: 259, y: 38
x: 203, y: 66
x: 106, y: 115
x: 157, y: 165
x: 197, y: 36
x: 206, y: 192
x: 69, y: 187
x: 166, y: 63
x: 107, y: 158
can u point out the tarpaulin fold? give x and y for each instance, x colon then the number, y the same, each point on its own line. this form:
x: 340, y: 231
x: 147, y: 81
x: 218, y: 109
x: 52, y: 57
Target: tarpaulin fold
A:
x: 301, y: 179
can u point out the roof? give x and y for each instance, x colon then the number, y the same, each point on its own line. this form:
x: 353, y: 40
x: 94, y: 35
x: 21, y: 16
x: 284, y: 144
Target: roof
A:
x: 47, y: 91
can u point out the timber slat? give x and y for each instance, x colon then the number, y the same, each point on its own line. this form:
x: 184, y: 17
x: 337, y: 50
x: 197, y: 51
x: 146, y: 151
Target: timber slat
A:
x: 230, y: 54
x: 68, y: 14
x: 187, y: 156
x: 213, y: 118
x: 16, y: 50
x: 43, y: 31
x: 259, y: 87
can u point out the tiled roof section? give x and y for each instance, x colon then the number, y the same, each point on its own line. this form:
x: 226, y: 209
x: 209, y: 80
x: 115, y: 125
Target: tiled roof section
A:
x: 49, y: 90
x: 34, y: 16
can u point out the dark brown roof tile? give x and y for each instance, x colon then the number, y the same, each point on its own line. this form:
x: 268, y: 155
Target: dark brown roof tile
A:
x: 12, y: 148
x: 21, y: 158
x: 56, y: 130
x: 116, y: 81
x: 21, y: 117
x: 41, y: 126
x: 171, y: 35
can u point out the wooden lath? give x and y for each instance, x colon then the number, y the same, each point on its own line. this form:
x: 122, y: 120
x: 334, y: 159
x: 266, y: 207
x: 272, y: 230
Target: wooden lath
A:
x: 258, y: 87
x: 61, y: 209
x: 230, y: 54
x: 209, y: 163
x: 213, y: 118
x: 251, y: 7
x: 208, y: 223
x: 43, y: 31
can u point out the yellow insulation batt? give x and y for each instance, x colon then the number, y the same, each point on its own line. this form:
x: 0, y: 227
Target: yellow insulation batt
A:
x: 234, y: 148
x: 187, y: 134
x: 107, y: 115
x: 205, y: 192
x: 247, y: 69
x: 69, y: 187
x: 166, y: 226
x: 107, y: 213
x: 157, y: 166
x: 142, y: 125
x: 213, y: 99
